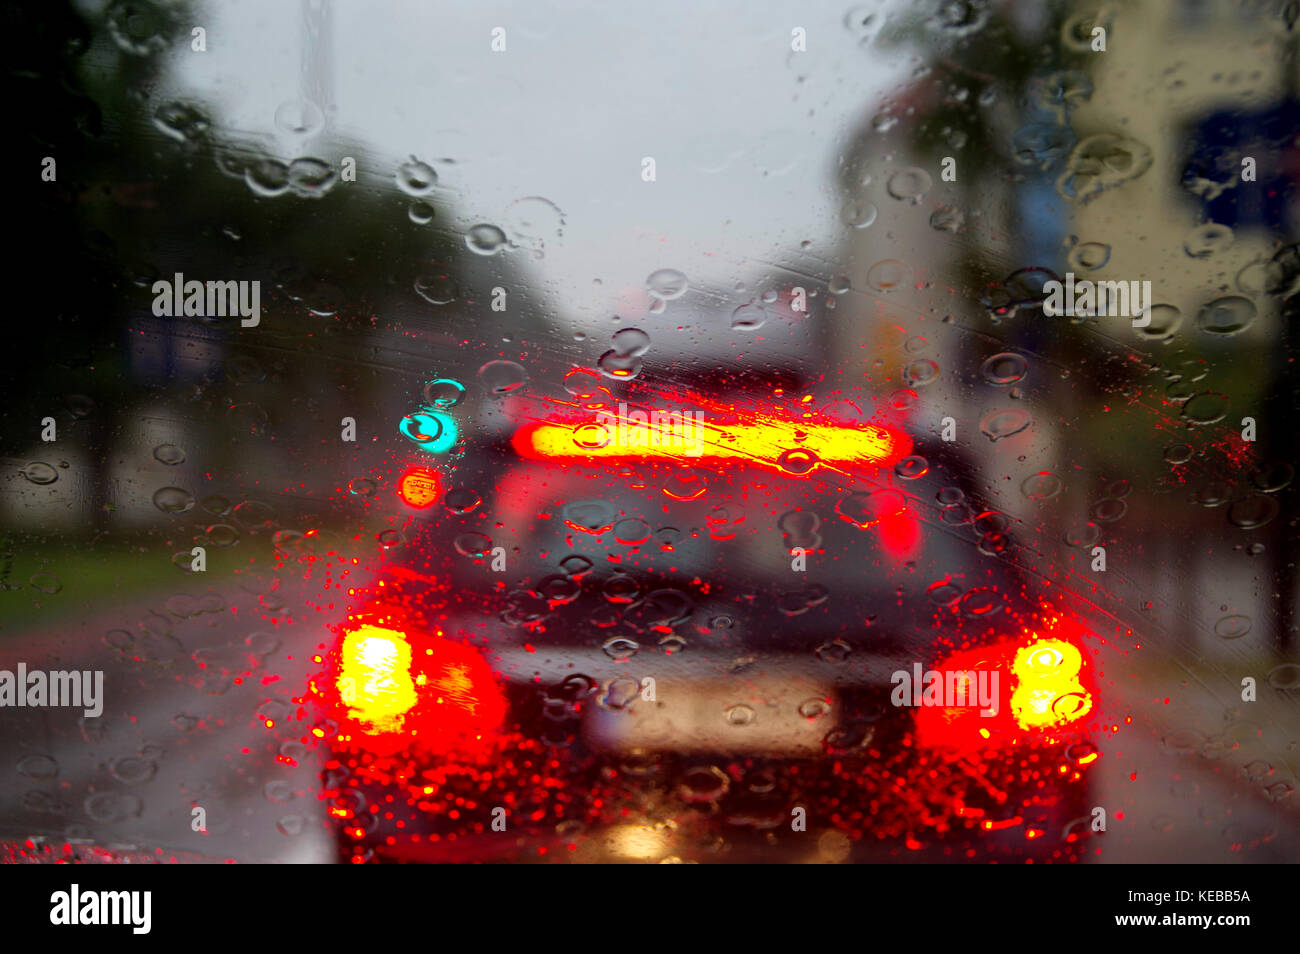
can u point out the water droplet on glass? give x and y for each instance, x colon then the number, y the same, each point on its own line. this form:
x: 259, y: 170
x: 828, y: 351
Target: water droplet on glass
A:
x: 1083, y: 534
x: 1002, y: 424
x: 991, y: 521
x: 1004, y: 369
x: 576, y: 565
x: 473, y: 545
x: 861, y: 20
x: 1226, y: 316
x: 620, y: 693
x: 462, y: 500
x: 444, y: 393
x: 1253, y: 511
x: 943, y: 592
x: 1270, y: 478
x: 262, y: 644
x: 667, y: 284
x: 45, y: 583
x: 848, y: 738
x: 749, y: 317
x: 534, y: 218
x: 173, y: 500
x: 421, y: 212
x: 139, y: 27
x: 960, y: 18
x: 38, y: 767
x: 620, y: 648
x: 888, y: 275
x: 362, y: 486
x: 950, y: 496
x: 1102, y: 162
x: 632, y: 532
x: 1232, y: 627
x: 1066, y: 88
x: 589, y: 516
x: 867, y: 509
x: 185, y: 722
x: 299, y: 116
x: 254, y: 515
x: 814, y: 708
x: 1206, y: 240
x: 921, y: 372
x: 980, y: 602
x: 1041, y: 144
x: 740, y: 714
x: 39, y: 472
x: 910, y: 468
x: 621, y: 367
x: 221, y: 535
x: 437, y: 288
x: 133, y: 770
x: 390, y: 538
x: 502, y: 377
x: 485, y: 239
x: 703, y: 784
x: 1285, y: 676
x: 112, y: 806
x: 169, y: 454
x: 859, y: 213
x: 416, y: 178
x: 947, y: 219
x: 631, y: 341
x: 1165, y: 321
x: 909, y: 184
x: 311, y: 178
x: 835, y: 651
x: 797, y: 461
x: 182, y: 122
x: 267, y: 177
x: 1108, y: 510
x: 1205, y: 408
x: 1213, y: 493
x: 1087, y: 256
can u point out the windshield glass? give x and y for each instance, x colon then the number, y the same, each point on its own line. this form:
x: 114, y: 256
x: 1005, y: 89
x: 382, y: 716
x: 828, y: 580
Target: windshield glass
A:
x: 750, y: 431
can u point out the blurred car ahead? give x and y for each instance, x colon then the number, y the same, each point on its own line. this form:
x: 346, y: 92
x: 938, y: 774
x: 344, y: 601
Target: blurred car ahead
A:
x: 639, y: 657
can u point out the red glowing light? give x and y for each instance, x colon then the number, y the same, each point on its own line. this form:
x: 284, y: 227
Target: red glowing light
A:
x: 395, y: 687
x: 1042, y: 694
x: 792, y: 447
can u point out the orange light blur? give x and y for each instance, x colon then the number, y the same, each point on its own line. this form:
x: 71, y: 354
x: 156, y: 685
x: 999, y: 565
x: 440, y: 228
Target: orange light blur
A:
x: 420, y: 487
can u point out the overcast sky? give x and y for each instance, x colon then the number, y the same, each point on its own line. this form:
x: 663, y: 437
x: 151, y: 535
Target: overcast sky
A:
x: 744, y: 131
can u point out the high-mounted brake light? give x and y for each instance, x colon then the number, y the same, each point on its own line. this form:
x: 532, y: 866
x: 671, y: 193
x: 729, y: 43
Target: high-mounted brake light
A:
x: 792, y: 447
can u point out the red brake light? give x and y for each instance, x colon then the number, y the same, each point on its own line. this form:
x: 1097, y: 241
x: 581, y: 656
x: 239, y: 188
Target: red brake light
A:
x: 793, y: 447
